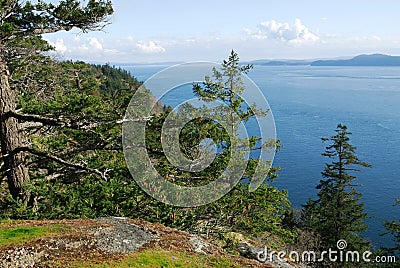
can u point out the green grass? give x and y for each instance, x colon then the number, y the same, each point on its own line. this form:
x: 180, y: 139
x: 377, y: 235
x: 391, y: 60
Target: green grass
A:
x: 154, y: 258
x: 24, y: 234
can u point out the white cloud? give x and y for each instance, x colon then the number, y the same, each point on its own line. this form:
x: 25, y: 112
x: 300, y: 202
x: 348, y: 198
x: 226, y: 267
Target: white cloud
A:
x: 284, y: 32
x: 150, y: 47
x: 95, y: 43
x: 270, y: 39
x: 59, y: 45
x: 372, y: 38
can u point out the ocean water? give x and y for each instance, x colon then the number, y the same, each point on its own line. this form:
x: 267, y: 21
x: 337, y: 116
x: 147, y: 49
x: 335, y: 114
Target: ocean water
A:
x: 307, y: 104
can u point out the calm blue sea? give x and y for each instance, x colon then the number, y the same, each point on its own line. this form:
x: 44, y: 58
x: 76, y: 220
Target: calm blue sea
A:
x: 308, y: 103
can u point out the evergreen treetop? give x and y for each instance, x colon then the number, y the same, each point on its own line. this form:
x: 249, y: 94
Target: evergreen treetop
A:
x: 338, y: 213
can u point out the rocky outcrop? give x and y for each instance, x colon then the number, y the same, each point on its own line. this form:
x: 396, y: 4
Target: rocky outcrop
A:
x: 121, y: 236
x: 108, y: 239
x: 262, y: 255
x: 97, y: 238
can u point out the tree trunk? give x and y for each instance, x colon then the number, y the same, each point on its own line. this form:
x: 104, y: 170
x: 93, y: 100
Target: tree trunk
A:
x: 10, y: 136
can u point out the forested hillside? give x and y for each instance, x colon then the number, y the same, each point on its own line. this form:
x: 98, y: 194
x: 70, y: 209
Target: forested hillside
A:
x: 71, y: 113
x: 63, y: 154
x: 61, y: 135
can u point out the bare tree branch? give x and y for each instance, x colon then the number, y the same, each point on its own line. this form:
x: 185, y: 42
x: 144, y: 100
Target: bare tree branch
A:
x: 59, y: 160
x: 65, y: 122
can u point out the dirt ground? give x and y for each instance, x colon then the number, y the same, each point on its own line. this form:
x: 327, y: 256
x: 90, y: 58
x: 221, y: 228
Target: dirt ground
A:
x: 104, y: 240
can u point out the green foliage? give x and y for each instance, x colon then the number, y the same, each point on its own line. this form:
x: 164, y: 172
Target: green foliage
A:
x: 227, y: 86
x: 84, y: 130
x: 69, y: 114
x: 21, y: 46
x: 23, y: 23
x: 86, y: 103
x: 27, y: 18
x: 393, y: 228
x: 254, y: 213
x: 338, y: 213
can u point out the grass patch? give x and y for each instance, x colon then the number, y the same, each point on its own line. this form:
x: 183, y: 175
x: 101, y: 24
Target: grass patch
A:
x: 24, y: 234
x: 151, y: 258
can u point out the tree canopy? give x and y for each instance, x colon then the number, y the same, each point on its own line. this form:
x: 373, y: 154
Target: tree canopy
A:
x: 338, y: 213
x: 22, y: 25
x: 27, y: 18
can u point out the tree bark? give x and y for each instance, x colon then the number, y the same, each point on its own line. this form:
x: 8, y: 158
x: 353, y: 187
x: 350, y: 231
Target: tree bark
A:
x: 11, y: 137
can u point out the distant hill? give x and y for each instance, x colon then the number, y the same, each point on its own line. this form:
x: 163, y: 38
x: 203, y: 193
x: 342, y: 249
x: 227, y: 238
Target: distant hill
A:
x: 281, y: 62
x: 362, y: 60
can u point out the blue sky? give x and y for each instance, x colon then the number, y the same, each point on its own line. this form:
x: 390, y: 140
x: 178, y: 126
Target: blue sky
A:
x: 177, y: 30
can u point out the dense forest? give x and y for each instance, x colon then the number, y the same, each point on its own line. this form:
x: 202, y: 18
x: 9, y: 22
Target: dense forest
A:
x: 62, y: 153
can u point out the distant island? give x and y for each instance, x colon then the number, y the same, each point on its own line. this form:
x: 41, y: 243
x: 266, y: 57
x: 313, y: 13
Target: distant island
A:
x: 360, y: 60
x: 281, y: 62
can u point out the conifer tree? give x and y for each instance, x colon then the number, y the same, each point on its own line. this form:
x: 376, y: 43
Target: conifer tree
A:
x: 254, y: 212
x: 21, y: 25
x: 251, y: 212
x: 393, y: 228
x: 338, y: 214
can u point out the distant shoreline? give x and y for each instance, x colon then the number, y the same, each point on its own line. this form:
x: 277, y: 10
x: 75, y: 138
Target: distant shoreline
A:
x: 372, y: 60
x: 360, y: 60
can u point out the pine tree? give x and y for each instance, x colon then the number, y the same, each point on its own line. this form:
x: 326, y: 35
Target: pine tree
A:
x: 254, y: 212
x: 22, y: 24
x: 393, y: 228
x: 338, y: 213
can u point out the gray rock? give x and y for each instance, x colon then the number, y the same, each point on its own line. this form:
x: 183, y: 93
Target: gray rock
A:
x: 264, y: 255
x: 199, y: 245
x: 121, y: 237
x: 21, y: 258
